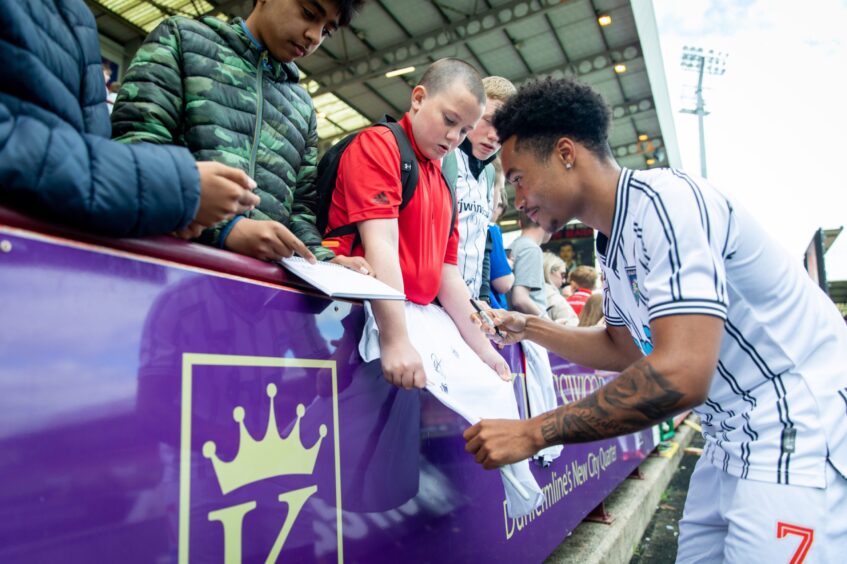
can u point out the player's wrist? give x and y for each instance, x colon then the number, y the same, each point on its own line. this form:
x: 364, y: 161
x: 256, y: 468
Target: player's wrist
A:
x: 535, y: 434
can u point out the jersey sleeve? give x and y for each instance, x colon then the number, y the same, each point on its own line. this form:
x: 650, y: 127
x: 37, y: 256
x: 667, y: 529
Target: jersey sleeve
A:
x: 679, y: 243
x: 610, y: 311
x: 369, y: 176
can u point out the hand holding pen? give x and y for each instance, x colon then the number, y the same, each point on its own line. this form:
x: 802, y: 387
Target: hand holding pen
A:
x: 486, y: 318
x: 491, y: 322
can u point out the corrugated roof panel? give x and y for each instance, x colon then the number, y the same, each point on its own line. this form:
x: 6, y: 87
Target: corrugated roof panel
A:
x: 147, y: 14
x: 417, y: 16
x: 542, y: 52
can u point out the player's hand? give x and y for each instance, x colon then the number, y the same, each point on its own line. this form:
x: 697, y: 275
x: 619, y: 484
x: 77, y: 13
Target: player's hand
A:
x: 357, y: 264
x: 497, y: 363
x: 497, y: 442
x: 401, y: 364
x: 511, y: 324
x: 224, y: 192
x: 265, y: 240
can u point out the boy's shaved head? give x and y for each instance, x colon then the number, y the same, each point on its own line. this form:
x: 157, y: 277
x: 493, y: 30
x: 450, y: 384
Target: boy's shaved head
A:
x: 443, y: 73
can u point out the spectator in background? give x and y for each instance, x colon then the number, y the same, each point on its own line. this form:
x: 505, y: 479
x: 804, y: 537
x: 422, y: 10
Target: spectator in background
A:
x: 112, y: 95
x: 202, y: 83
x: 583, y: 280
x: 592, y: 312
x: 558, y: 309
x: 501, y: 277
x: 528, y: 294
x: 566, y: 253
x: 56, y: 159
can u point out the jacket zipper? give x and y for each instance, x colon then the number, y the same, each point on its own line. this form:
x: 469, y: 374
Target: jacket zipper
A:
x: 258, y: 129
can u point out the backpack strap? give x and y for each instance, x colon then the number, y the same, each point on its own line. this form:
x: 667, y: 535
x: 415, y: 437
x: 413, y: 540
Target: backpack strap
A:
x: 450, y: 169
x: 454, y: 205
x: 409, y: 172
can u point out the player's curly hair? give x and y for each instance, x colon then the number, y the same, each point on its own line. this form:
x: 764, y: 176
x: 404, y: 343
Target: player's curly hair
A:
x: 545, y: 110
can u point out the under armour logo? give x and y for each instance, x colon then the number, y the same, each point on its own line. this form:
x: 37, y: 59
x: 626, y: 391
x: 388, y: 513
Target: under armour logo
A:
x: 406, y: 166
x: 380, y: 198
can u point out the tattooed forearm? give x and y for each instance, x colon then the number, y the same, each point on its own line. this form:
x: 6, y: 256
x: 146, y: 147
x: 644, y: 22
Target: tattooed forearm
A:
x: 636, y: 399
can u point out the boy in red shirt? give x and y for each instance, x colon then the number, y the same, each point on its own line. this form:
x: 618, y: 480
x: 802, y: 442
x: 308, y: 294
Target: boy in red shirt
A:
x: 582, y: 279
x: 413, y: 250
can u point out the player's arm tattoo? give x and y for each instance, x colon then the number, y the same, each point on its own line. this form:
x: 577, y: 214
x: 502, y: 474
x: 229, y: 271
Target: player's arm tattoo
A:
x: 638, y: 398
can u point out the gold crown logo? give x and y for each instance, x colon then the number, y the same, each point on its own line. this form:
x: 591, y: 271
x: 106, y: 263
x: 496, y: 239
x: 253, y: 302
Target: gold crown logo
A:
x: 268, y: 457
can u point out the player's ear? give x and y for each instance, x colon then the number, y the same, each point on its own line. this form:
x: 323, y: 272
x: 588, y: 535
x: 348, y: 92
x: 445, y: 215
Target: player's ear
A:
x: 565, y: 152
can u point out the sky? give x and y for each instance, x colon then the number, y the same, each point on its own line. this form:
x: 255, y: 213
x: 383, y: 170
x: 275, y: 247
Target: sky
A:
x: 777, y: 132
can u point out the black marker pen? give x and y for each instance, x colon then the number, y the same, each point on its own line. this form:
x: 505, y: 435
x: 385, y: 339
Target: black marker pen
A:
x: 485, y: 317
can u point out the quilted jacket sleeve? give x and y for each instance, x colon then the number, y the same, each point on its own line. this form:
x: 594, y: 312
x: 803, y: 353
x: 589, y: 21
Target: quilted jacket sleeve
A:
x: 305, y: 196
x: 93, y: 183
x: 149, y: 104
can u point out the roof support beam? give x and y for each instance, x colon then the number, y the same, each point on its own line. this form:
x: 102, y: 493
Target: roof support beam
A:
x: 373, y: 64
x: 591, y: 63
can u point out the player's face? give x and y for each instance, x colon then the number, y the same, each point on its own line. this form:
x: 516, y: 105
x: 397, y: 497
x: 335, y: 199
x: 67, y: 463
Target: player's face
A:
x: 292, y: 29
x: 484, y: 137
x: 542, y: 189
x: 441, y: 121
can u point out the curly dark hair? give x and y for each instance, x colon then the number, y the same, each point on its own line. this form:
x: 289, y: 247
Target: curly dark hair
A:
x: 346, y: 9
x: 543, y: 111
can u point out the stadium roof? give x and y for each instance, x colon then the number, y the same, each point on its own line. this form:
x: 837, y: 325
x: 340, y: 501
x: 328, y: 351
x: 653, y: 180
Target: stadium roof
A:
x: 609, y: 44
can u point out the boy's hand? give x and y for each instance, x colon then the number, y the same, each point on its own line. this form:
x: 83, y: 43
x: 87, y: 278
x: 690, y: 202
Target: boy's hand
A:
x: 496, y: 362
x: 512, y: 325
x: 224, y: 192
x: 359, y: 264
x: 265, y: 240
x: 402, y: 365
x: 192, y: 231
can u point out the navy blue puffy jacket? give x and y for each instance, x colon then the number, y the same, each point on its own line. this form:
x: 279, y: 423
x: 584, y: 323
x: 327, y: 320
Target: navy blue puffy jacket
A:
x: 56, y: 158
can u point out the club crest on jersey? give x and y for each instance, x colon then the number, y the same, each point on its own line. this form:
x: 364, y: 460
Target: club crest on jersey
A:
x: 633, y: 283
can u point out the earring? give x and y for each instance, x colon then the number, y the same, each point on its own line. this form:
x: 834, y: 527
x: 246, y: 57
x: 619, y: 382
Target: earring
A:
x: 568, y: 166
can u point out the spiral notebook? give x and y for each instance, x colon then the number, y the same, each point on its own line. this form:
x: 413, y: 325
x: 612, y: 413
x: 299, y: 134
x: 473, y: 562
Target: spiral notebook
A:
x: 339, y: 282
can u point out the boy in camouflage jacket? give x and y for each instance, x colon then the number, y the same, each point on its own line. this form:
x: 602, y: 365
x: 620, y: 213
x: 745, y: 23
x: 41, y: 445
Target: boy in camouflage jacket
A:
x: 230, y: 93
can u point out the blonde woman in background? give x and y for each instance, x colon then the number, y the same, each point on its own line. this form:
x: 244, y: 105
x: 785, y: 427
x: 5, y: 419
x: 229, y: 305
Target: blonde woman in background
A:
x: 558, y: 308
x: 592, y: 312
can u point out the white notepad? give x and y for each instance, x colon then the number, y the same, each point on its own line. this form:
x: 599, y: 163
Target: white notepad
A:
x: 339, y: 282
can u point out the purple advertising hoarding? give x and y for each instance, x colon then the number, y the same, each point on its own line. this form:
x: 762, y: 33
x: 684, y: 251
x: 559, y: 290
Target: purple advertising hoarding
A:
x: 152, y: 411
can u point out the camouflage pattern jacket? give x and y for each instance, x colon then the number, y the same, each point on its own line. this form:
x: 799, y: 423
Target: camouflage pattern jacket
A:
x: 209, y: 86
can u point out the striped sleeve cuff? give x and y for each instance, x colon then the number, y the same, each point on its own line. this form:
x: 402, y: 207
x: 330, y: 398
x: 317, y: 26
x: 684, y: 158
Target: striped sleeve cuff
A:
x: 615, y: 321
x: 688, y: 307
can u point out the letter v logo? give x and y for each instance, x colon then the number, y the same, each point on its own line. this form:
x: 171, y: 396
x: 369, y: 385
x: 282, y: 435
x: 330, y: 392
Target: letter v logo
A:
x: 232, y: 519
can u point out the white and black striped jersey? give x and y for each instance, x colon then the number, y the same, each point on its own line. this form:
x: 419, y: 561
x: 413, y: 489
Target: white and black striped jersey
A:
x: 777, y: 406
x: 473, y: 198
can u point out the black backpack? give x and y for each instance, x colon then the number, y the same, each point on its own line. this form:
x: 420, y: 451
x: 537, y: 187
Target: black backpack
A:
x: 328, y: 172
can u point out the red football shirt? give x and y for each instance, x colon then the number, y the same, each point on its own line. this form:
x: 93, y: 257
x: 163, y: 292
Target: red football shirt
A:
x: 368, y: 187
x: 578, y: 299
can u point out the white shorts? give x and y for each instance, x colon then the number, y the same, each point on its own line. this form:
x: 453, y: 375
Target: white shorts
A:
x: 727, y: 519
